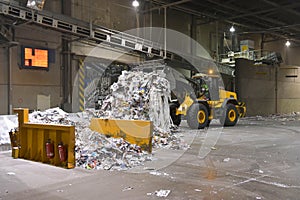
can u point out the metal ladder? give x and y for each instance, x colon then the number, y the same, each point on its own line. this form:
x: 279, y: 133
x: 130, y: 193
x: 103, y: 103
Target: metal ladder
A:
x: 94, y: 33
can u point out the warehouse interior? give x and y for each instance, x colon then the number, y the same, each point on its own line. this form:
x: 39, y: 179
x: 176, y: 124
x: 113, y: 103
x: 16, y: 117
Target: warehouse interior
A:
x: 69, y: 55
x: 211, y: 29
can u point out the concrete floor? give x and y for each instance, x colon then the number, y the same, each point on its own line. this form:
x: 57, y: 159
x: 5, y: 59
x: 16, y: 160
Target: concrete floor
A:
x: 257, y: 159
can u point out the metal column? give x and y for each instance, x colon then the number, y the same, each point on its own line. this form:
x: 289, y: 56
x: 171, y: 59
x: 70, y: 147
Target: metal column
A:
x: 81, y: 84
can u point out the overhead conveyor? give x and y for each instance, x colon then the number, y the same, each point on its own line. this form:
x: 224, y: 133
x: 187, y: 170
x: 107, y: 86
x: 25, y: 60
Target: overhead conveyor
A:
x: 95, y: 33
x: 79, y: 28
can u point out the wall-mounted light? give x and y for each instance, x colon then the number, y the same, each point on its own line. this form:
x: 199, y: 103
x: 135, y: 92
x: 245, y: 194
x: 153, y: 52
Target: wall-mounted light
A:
x: 232, y: 29
x: 135, y: 4
x: 210, y: 71
x: 287, y: 43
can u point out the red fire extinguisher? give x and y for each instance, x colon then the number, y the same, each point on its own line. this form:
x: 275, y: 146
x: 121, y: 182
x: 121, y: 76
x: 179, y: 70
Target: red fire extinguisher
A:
x: 49, y: 149
x: 62, y: 152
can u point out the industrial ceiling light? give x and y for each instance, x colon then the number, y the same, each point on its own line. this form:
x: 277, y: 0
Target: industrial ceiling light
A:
x: 135, y: 4
x: 36, y: 4
x: 287, y: 43
x: 232, y: 29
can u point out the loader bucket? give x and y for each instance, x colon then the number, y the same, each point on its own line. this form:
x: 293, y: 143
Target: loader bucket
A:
x: 137, y: 132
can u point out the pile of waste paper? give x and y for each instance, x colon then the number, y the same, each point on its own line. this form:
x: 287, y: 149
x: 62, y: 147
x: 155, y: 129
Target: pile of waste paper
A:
x: 169, y: 140
x: 50, y: 116
x: 96, y: 151
x: 140, y: 96
x: 136, y: 95
x: 8, y: 123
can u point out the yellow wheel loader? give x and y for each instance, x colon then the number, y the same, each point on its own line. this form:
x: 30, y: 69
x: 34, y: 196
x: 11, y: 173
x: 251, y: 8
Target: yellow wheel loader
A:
x: 207, y: 101
x: 199, y: 99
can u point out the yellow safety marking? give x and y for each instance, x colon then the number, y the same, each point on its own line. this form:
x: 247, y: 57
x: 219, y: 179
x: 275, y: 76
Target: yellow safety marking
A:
x: 81, y: 108
x: 81, y: 95
x: 81, y: 101
x: 81, y: 88
x: 81, y: 74
x: 81, y: 81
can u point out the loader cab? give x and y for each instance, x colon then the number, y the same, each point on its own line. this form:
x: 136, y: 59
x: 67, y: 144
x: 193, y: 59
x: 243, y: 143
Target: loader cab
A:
x: 207, y: 86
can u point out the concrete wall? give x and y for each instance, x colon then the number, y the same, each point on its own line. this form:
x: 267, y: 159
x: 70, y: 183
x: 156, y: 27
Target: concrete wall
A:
x: 115, y: 14
x: 3, y: 81
x: 206, y: 37
x: 289, y: 89
x: 176, y: 20
x: 290, y: 55
x: 121, y: 16
x: 256, y: 87
x: 27, y: 84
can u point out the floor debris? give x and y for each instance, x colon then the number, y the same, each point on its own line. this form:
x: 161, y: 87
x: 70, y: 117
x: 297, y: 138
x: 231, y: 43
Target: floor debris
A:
x: 127, y: 188
x: 155, y: 173
x: 96, y: 151
x: 213, y: 148
x: 162, y: 193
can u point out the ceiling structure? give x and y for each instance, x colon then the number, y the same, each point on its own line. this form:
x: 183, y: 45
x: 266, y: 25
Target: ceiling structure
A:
x: 278, y: 18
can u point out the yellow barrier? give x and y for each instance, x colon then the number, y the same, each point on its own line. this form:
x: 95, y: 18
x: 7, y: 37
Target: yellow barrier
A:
x: 33, y: 138
x: 134, y: 131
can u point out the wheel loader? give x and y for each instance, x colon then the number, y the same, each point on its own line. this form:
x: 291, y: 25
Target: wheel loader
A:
x: 200, y: 98
x: 207, y: 101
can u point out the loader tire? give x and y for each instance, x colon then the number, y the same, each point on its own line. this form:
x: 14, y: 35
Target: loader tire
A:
x: 230, y: 116
x: 197, y: 116
x: 175, y: 118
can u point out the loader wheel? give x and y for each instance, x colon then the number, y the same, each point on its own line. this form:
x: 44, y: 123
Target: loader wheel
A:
x: 230, y: 116
x: 175, y: 118
x: 197, y: 116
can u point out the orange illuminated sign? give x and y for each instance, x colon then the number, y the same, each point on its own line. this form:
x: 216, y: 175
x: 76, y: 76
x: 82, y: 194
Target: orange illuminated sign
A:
x: 35, y: 57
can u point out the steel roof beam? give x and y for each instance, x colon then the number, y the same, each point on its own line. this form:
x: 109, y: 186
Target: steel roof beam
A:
x: 166, y: 5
